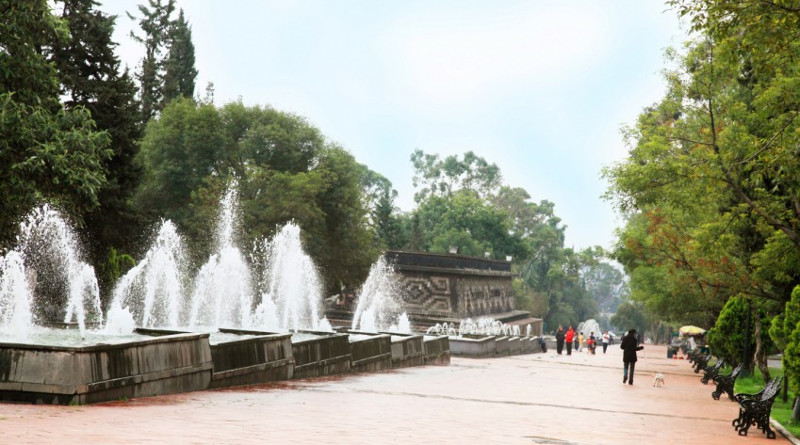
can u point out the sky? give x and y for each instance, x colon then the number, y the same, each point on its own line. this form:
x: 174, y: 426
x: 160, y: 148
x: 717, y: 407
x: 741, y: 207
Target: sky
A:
x: 540, y: 88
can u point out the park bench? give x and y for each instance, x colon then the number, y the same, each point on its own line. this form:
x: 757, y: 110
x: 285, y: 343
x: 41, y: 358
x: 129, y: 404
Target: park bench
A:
x: 712, y: 371
x: 754, y: 409
x: 725, y: 383
x: 701, y: 362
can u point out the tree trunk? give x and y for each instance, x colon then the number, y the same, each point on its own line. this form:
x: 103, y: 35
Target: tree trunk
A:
x: 785, y: 396
x: 760, y: 353
x: 796, y: 410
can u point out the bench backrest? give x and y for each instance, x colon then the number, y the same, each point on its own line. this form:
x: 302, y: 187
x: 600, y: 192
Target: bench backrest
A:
x: 772, y: 389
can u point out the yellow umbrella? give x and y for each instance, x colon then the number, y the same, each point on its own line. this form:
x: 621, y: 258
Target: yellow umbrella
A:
x: 691, y: 330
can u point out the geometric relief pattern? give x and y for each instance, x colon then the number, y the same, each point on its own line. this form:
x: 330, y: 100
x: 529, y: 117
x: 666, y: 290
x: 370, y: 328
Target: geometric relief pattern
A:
x: 479, y: 296
x: 423, y: 294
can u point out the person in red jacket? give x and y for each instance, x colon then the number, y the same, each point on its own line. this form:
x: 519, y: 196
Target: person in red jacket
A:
x: 569, y: 337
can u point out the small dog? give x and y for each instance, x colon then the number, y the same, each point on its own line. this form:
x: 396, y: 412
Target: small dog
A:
x: 658, y: 380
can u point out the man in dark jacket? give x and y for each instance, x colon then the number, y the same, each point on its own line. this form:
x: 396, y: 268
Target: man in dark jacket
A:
x: 629, y: 345
x: 560, y: 339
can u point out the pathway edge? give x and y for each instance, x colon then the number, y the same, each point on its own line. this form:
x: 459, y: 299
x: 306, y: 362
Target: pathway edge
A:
x: 784, y: 431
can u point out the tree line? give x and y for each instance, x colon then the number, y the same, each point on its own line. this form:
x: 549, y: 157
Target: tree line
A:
x: 710, y: 185
x: 117, y: 151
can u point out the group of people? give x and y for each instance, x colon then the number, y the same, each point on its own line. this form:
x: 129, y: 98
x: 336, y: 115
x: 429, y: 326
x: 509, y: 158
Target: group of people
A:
x: 575, y: 341
x: 629, y: 345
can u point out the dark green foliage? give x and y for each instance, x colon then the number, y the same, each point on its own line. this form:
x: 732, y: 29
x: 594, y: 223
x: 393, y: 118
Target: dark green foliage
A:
x: 47, y: 153
x: 286, y: 172
x: 630, y: 315
x: 179, y: 70
x: 90, y: 77
x: 785, y: 332
x: 727, y: 337
x: 167, y: 71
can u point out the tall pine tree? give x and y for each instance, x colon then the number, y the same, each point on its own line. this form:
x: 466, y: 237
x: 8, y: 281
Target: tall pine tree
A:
x: 90, y: 77
x: 167, y: 70
x: 179, y: 70
x: 155, y: 23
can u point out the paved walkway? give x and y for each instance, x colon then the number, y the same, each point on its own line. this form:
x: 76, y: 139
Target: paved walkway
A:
x: 530, y: 399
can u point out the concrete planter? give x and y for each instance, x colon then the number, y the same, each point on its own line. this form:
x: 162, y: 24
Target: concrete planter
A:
x: 258, y: 357
x: 167, y: 364
x: 319, y: 354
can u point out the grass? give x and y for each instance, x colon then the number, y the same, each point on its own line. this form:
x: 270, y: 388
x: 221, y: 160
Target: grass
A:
x: 781, y: 411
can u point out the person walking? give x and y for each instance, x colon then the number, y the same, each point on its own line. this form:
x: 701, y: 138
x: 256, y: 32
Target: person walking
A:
x: 592, y: 342
x: 569, y: 338
x: 580, y: 342
x: 606, y: 338
x: 559, y: 340
x: 629, y: 346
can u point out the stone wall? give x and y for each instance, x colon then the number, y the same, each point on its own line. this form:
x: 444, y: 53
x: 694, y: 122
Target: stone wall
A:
x: 453, y: 286
x: 450, y: 294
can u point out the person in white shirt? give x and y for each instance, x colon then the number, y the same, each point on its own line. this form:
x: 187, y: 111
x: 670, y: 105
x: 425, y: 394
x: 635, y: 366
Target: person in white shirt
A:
x: 606, y: 338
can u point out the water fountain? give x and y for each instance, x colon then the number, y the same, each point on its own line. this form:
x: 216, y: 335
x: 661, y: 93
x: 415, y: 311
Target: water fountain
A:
x: 44, y: 282
x: 486, y: 337
x: 588, y: 327
x: 46, y: 261
x: 378, y: 307
x: 151, y: 294
x: 241, y: 319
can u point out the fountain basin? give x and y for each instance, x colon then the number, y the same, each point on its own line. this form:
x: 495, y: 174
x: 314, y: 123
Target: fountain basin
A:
x: 58, y: 374
x: 319, y: 354
x: 370, y: 352
x: 502, y: 346
x: 407, y: 350
x: 469, y: 346
x: 526, y: 347
x: 437, y: 349
x: 251, y: 357
x: 514, y: 346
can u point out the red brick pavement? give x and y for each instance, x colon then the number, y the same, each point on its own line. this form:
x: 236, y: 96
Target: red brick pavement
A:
x: 530, y: 399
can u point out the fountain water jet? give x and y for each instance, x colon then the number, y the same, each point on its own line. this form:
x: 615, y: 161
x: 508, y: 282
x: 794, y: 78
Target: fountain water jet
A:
x: 222, y: 294
x: 378, y: 308
x: 291, y: 289
x: 151, y: 294
x: 44, y: 278
x: 15, y: 296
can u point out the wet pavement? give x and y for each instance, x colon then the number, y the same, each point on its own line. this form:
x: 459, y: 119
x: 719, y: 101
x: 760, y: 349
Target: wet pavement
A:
x: 528, y: 399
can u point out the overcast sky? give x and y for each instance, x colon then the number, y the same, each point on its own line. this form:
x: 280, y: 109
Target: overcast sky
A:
x: 540, y: 88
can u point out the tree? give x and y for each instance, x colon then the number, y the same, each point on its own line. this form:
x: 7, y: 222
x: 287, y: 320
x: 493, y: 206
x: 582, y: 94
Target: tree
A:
x: 179, y: 70
x: 605, y: 283
x: 436, y: 177
x: 167, y: 71
x: 728, y: 336
x: 464, y: 220
x: 384, y: 217
x: 630, y: 315
x: 179, y: 151
x: 48, y: 153
x: 285, y: 169
x: 90, y: 78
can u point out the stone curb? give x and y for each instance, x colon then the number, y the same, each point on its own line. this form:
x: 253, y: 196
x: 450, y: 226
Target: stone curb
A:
x: 784, y: 431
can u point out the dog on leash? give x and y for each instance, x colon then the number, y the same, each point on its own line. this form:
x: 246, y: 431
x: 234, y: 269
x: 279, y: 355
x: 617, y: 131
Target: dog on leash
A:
x: 658, y: 380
